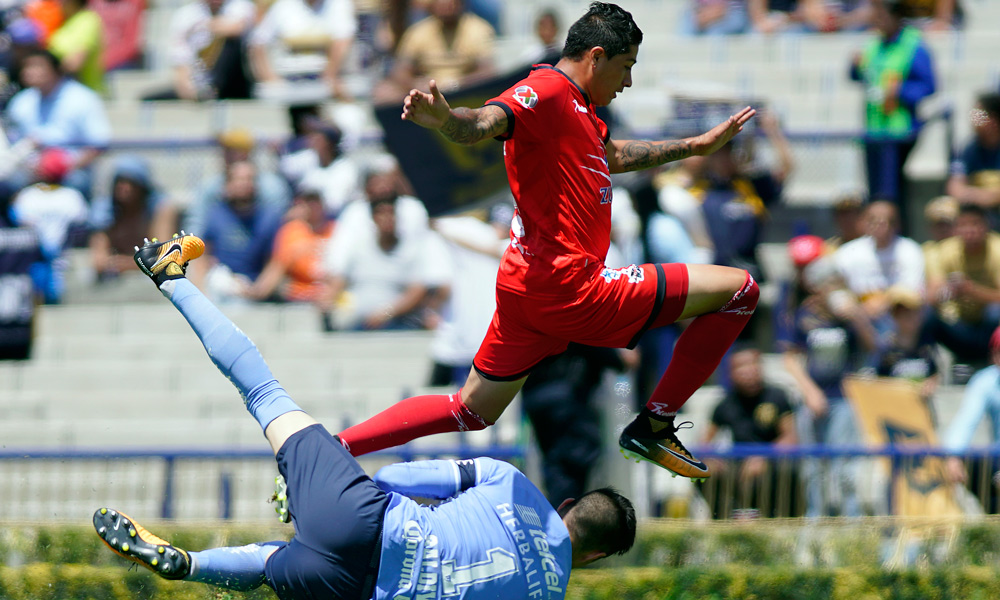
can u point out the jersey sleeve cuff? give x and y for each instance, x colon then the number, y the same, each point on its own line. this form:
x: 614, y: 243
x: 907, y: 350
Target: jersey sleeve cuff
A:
x: 510, y: 119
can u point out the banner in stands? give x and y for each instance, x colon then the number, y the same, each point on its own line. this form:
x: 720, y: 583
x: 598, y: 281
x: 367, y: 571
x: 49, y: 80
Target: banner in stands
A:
x: 450, y: 177
x: 892, y: 413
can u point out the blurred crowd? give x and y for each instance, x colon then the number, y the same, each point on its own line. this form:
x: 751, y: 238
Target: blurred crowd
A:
x: 319, y: 221
x: 715, y: 17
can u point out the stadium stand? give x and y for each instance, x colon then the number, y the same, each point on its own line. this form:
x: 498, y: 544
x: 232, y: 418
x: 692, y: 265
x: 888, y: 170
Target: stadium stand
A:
x: 120, y: 350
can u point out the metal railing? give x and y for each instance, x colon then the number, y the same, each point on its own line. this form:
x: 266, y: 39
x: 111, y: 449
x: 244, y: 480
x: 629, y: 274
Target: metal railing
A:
x: 235, y: 483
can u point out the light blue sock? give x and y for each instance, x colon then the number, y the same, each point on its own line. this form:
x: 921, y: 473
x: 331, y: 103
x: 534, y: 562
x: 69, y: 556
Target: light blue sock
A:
x: 239, y: 568
x: 231, y: 351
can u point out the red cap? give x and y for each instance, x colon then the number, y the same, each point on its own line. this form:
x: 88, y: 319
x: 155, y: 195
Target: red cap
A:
x: 803, y: 249
x: 995, y: 340
x: 53, y: 165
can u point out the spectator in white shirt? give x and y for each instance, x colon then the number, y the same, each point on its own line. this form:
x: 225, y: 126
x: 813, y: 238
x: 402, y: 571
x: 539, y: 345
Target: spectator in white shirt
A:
x: 57, y: 213
x: 206, y: 51
x: 880, y: 259
x: 324, y: 167
x: 379, y: 278
x: 304, y: 37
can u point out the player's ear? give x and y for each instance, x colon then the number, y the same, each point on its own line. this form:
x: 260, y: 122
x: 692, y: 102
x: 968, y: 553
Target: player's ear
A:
x: 596, y: 53
x: 565, y: 503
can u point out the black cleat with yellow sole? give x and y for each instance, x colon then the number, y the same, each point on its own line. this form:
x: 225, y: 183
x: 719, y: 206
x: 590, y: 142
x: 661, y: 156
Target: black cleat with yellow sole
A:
x: 127, y: 538
x: 655, y: 440
x: 161, y: 261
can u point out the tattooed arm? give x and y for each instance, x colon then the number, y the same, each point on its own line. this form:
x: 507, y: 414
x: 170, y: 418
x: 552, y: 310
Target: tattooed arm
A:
x: 460, y: 125
x: 470, y: 125
x: 632, y: 155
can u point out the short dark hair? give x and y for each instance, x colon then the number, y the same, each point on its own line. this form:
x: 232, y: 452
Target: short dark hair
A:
x: 602, y: 520
x: 968, y: 208
x: 52, y: 59
x: 606, y: 25
x: 990, y: 102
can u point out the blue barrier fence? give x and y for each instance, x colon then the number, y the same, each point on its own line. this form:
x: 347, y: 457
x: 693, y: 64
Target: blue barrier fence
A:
x: 782, y: 490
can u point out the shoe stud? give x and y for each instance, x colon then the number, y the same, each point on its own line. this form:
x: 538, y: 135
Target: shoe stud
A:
x: 145, y: 240
x: 154, y: 562
x: 125, y: 547
x: 104, y: 511
x: 160, y: 550
x: 102, y: 530
x: 131, y: 532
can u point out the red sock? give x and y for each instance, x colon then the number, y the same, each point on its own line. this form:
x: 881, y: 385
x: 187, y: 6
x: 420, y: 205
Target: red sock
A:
x: 700, y: 349
x: 409, y: 419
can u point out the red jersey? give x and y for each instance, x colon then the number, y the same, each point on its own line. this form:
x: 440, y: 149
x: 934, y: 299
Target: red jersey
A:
x: 554, y: 151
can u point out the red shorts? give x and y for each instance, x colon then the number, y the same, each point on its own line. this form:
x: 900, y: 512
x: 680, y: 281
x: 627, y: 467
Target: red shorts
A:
x: 612, y: 310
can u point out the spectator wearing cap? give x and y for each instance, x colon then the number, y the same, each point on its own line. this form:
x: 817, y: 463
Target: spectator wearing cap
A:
x: 963, y: 284
x: 802, y: 251
x: 939, y: 219
x: 981, y: 399
x: 54, y: 111
x: 79, y: 44
x: 206, y: 51
x: 295, y: 271
x: 324, y: 166
x: 134, y: 209
x: 826, y: 337
x: 847, y: 211
x: 59, y: 215
x: 975, y: 173
x: 235, y: 145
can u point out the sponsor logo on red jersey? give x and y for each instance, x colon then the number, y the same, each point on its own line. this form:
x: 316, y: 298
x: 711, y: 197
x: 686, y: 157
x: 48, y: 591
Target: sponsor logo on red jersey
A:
x: 526, y: 96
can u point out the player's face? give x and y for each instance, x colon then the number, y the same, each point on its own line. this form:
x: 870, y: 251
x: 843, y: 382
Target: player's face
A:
x: 611, y: 75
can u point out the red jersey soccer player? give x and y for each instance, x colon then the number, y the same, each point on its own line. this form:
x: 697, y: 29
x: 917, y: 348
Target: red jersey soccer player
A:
x: 553, y: 287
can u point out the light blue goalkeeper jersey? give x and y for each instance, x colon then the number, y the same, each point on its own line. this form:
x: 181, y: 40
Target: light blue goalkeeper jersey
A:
x: 499, y: 539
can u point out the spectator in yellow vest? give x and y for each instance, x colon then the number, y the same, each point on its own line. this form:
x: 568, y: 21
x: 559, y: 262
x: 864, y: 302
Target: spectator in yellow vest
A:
x: 897, y: 73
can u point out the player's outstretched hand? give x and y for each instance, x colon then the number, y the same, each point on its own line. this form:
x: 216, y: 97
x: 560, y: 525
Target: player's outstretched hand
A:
x: 718, y: 136
x: 427, y: 110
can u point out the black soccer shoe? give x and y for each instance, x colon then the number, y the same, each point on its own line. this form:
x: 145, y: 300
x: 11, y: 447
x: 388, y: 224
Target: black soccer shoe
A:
x: 127, y: 538
x: 660, y: 446
x: 161, y: 261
